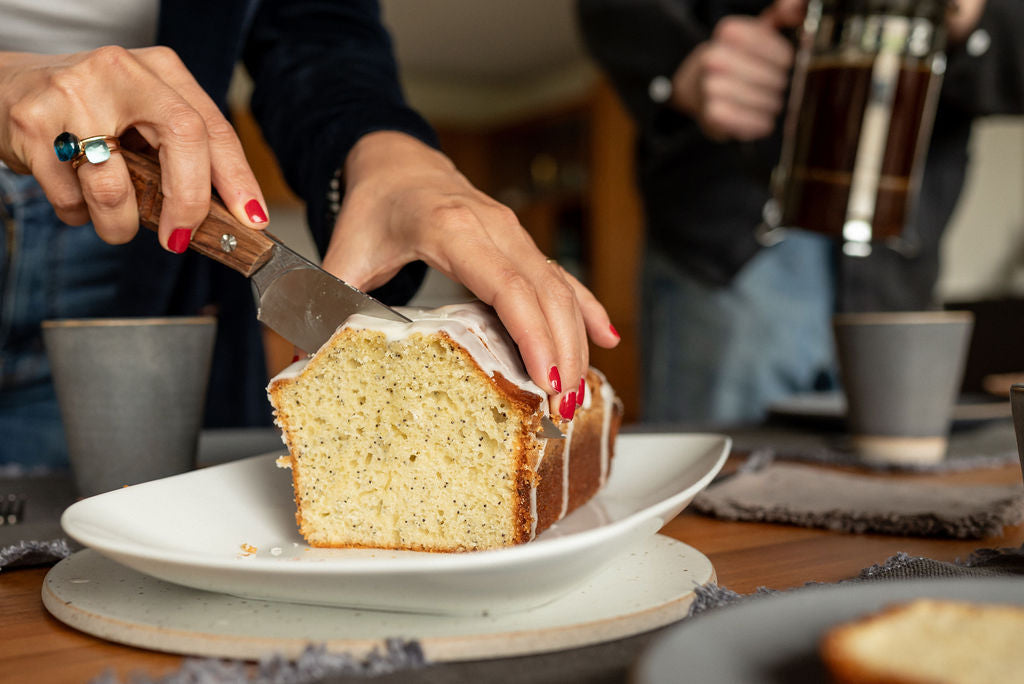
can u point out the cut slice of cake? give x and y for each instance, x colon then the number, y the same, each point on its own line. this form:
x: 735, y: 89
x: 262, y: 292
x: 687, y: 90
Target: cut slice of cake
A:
x: 424, y: 436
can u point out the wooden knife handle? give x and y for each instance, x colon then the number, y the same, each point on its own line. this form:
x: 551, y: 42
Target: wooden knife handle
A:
x: 220, y: 236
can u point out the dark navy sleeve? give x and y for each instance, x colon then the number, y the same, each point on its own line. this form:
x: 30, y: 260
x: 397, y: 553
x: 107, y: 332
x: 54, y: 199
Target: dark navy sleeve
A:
x: 324, y: 76
x: 990, y: 78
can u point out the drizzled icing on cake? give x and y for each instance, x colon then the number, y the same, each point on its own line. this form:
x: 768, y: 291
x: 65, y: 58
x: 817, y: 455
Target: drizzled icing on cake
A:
x: 565, y: 470
x: 608, y: 398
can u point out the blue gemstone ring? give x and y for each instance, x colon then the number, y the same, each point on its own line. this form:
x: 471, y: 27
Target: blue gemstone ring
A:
x: 94, y: 150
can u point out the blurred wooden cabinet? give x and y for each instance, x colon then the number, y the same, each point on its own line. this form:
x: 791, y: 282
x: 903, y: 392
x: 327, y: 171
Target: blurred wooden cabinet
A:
x: 569, y: 175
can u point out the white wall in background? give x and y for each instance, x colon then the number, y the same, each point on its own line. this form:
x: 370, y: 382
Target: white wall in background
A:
x: 486, y: 62
x: 983, y: 252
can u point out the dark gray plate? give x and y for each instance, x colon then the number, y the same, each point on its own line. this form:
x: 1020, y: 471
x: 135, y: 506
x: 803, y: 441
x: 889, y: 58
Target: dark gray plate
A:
x: 774, y: 638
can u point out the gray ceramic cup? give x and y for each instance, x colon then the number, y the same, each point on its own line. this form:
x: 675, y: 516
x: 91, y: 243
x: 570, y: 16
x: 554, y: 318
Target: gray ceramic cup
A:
x: 901, y: 372
x: 131, y: 393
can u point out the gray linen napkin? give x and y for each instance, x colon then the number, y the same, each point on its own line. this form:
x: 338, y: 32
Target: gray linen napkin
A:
x: 29, y: 553
x: 315, y: 664
x: 810, y: 496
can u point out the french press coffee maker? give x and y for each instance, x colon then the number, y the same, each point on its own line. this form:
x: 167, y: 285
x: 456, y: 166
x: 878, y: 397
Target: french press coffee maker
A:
x: 862, y: 103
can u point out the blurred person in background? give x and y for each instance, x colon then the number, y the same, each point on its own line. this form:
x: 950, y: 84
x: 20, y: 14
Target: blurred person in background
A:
x: 729, y: 325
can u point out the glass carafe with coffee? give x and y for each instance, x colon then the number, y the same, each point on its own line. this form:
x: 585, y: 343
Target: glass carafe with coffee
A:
x: 863, y: 98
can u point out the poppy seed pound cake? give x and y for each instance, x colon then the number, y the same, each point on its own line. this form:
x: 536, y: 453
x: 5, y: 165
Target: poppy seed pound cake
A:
x: 425, y: 436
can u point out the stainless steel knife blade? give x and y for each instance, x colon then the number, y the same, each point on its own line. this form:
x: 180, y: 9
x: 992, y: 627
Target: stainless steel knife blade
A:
x: 296, y: 298
x: 304, y: 303
x: 548, y: 429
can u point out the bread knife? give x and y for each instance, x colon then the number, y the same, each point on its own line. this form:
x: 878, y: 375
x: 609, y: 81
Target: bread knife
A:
x: 294, y: 297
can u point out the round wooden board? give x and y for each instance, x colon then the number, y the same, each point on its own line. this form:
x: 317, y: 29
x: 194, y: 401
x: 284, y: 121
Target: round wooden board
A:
x: 648, y: 587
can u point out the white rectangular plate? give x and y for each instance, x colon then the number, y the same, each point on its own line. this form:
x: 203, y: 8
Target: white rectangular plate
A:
x: 231, y: 529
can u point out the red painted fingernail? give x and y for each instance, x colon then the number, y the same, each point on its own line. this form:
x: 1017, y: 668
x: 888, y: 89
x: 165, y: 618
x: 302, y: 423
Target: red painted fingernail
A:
x: 295, y: 358
x: 568, y: 406
x: 555, y: 379
x: 254, y: 210
x: 178, y: 242
x: 581, y: 392
x: 614, y: 331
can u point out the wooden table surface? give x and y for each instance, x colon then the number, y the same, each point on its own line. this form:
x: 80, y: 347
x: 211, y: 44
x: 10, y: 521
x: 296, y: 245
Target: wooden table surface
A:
x: 36, y: 648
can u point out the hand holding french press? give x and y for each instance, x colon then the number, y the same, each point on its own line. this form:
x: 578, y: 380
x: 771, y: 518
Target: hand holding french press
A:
x: 734, y: 84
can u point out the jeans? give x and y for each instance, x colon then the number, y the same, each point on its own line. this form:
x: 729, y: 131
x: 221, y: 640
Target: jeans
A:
x: 722, y: 355
x: 48, y: 269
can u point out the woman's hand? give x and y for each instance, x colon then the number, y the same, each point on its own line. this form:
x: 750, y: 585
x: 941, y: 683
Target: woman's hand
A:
x: 734, y: 84
x: 406, y: 201
x: 106, y: 92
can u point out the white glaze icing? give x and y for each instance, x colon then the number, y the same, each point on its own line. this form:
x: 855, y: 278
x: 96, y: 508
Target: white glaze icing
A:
x: 291, y: 371
x: 608, y: 401
x: 533, y: 512
x: 565, y: 470
x: 588, y: 394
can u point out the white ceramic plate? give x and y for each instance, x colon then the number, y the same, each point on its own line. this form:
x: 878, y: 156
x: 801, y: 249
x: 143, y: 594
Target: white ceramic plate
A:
x: 231, y: 529
x: 775, y: 638
x: 637, y: 591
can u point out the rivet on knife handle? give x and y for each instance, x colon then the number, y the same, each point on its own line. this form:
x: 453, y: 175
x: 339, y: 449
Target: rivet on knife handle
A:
x: 220, y: 237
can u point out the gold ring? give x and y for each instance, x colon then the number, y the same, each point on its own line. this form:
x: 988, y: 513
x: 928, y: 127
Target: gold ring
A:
x: 549, y: 260
x: 95, y: 150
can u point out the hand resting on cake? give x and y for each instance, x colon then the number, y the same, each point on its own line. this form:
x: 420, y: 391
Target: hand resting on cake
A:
x: 406, y: 201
